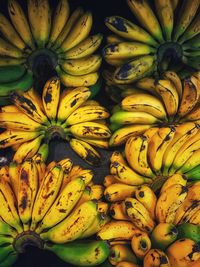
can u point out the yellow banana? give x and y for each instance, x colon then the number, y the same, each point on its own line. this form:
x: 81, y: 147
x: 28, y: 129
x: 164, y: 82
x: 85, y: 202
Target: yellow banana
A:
x: 66, y: 164
x: 144, y: 103
x: 118, y: 212
x: 83, y: 49
x: 146, y: 17
x: 11, y: 61
x: 63, y: 205
x: 174, y: 4
x: 4, y: 174
x: 141, y: 244
x: 7, y: 49
x: 20, y: 22
x: 103, y: 207
x: 113, y: 38
x: 176, y: 178
x: 79, y: 32
x: 117, y: 230
x: 183, y: 252
x: 192, y: 162
x: 39, y: 15
x: 192, y: 30
x: 86, y: 174
x: 168, y: 203
x: 9, y: 108
x: 195, y: 218
x: 120, y: 253
x: 81, y: 66
x: 117, y: 192
x: 50, y: 97
x: 14, y: 170
x: 102, y: 143
x: 117, y: 156
x: 139, y: 215
x: 27, y: 190
x: 156, y: 258
x: 175, y: 80
x: 47, y: 194
x: 193, y: 115
x: 69, y: 229
x: 127, y: 264
x: 109, y: 179
x: 147, y: 84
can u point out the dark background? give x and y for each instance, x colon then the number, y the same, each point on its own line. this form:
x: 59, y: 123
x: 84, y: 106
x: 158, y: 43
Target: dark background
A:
x: 58, y: 149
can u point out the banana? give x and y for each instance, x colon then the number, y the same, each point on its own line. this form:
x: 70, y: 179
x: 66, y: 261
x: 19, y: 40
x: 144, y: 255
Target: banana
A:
x: 187, y: 13
x: 144, y: 103
x: 192, y: 162
x: 163, y: 235
x: 67, y: 28
x: 96, y: 191
x: 126, y: 264
x: 86, y: 174
x: 113, y: 38
x: 20, y: 122
x: 43, y: 152
x: 10, y: 137
x: 10, y: 61
x: 4, y: 173
x: 174, y: 78
x: 59, y: 21
x: 74, y: 225
x: 77, y: 81
x: 128, y: 30
x: 71, y: 101
x: 176, y: 178
x: 147, y: 197
x: 147, y: 84
x: 81, y: 66
x: 190, y: 96
x: 157, y: 147
x: 79, y: 32
x: 29, y: 104
x: 87, y: 252
x: 6, y: 251
x: 90, y: 130
x: 8, y: 207
x: 66, y: 164
x: 10, y: 74
x: 140, y: 244
x: 117, y: 192
x: 169, y: 95
x: 27, y: 190
x: 120, y: 136
x: 87, y: 113
x: 7, y: 49
x: 139, y: 215
x: 174, y: 4
x: 47, y: 194
x: 120, y: 253
x: 193, y: 174
x: 192, y: 61
x: 7, y: 230
x: 156, y: 258
x: 50, y: 97
x: 193, y: 115
x: 27, y: 150
x: 192, y: 43
x: 117, y: 211
x: 109, y: 179
x: 41, y: 168
x: 169, y: 202
x: 136, y: 149
x: 195, y: 218
x: 117, y: 230
x: 24, y: 83
x: 9, y: 108
x: 10, y: 34
x: 134, y: 70
x: 14, y: 170
x: 63, y: 205
x: 126, y: 175
x: 166, y: 16
x: 117, y: 156
x: 103, y: 207
x: 6, y: 240
x: 39, y: 15
x: 188, y: 230
x: 143, y: 12
x: 10, y: 260
x: 20, y: 22
x: 83, y: 49
x: 183, y: 253
x: 192, y: 30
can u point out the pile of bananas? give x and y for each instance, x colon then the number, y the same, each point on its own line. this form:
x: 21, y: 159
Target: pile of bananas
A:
x: 32, y: 122
x: 51, y: 206
x: 168, y: 38
x: 156, y: 103
x: 152, y: 228
x: 61, y: 40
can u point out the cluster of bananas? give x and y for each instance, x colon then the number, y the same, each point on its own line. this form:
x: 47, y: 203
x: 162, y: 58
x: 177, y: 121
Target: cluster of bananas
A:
x: 156, y: 103
x: 31, y: 122
x: 149, y: 228
x: 61, y: 39
x: 51, y: 206
x: 161, y: 43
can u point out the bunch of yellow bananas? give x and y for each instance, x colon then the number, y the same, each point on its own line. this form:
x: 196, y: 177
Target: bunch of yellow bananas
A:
x: 165, y: 39
x: 62, y: 39
x: 57, y: 203
x: 32, y: 121
x: 156, y: 103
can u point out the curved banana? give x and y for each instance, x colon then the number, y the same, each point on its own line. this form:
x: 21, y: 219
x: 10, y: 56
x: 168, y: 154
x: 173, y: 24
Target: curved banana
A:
x: 175, y: 80
x: 140, y: 244
x: 117, y: 211
x: 156, y: 258
x: 9, y: 50
x: 176, y: 178
x: 120, y: 253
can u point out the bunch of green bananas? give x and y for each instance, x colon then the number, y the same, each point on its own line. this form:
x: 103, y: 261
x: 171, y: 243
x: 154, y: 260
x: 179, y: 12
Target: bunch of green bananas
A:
x: 32, y: 121
x: 168, y: 38
x: 61, y: 39
x: 156, y: 103
x: 51, y: 206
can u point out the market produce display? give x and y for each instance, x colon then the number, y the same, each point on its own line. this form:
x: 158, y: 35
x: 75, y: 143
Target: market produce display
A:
x: 166, y: 101
x: 32, y: 121
x: 59, y: 38
x: 51, y: 206
x: 165, y: 36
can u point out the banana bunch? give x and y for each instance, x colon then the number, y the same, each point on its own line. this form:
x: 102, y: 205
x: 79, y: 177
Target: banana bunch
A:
x: 51, y: 206
x: 156, y: 103
x: 31, y: 122
x: 59, y: 38
x: 166, y: 36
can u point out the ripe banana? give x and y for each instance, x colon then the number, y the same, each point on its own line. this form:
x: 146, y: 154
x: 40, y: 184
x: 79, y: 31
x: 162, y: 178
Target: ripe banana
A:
x: 176, y: 178
x: 120, y: 253
x: 118, y: 191
x: 117, y: 211
x: 140, y: 244
x: 156, y: 258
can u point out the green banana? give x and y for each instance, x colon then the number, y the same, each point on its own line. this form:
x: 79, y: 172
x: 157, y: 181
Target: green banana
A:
x: 90, y: 253
x: 189, y: 230
x: 10, y: 74
x: 9, y: 261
